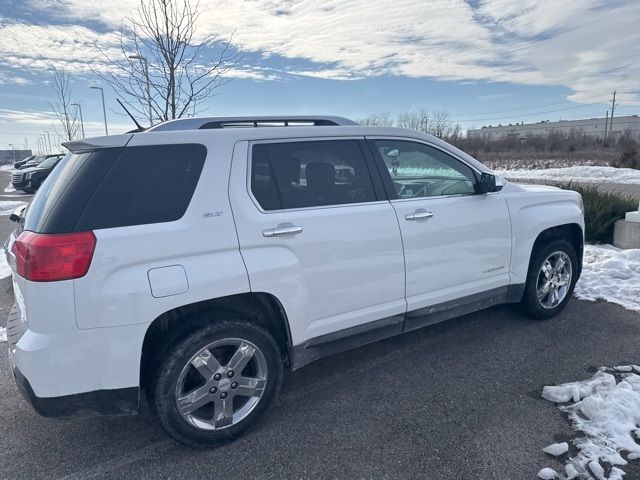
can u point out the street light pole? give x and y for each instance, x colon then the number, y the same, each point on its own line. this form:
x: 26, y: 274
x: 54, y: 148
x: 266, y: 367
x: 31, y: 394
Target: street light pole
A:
x: 104, y: 110
x: 13, y: 152
x: 44, y: 142
x: 81, y: 120
x: 145, y: 68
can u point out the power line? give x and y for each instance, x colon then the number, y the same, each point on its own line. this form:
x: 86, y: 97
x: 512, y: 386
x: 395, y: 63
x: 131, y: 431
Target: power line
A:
x: 527, y: 114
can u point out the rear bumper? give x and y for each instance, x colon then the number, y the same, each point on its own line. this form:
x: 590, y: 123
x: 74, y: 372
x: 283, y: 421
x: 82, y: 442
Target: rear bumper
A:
x: 76, y: 372
x: 122, y: 401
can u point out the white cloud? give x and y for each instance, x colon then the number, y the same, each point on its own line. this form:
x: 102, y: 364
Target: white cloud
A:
x: 584, y: 45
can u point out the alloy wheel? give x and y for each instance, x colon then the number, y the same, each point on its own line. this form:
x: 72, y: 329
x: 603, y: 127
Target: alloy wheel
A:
x: 221, y: 384
x: 554, y: 279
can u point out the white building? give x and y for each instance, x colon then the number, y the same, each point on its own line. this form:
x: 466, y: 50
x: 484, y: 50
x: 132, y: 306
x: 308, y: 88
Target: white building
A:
x: 589, y: 126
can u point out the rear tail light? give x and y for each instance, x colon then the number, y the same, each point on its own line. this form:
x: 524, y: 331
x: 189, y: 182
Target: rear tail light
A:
x: 49, y: 258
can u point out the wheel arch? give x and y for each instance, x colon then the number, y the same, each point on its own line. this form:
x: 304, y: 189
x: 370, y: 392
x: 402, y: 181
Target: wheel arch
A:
x: 261, y: 308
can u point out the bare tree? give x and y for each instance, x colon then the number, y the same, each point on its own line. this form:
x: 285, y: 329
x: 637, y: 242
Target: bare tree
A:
x: 382, y: 119
x: 67, y: 116
x: 441, y: 124
x: 164, y: 70
x: 414, y: 120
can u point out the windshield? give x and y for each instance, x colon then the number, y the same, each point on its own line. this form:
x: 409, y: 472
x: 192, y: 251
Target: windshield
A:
x: 49, y: 162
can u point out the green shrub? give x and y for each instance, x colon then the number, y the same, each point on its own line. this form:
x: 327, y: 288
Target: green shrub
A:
x: 601, y: 210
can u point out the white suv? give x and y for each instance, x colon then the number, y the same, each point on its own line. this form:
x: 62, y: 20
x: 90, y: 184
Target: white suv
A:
x: 196, y: 260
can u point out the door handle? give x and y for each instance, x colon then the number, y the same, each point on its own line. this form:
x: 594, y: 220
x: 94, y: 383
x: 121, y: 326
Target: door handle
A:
x: 418, y: 215
x: 274, y: 232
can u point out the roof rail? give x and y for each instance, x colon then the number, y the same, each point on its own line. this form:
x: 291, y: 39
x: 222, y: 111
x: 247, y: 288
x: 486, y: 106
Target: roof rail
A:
x: 249, y: 122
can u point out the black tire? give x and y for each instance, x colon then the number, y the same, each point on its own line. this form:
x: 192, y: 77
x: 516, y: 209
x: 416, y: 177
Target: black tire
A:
x: 167, y: 374
x: 530, y: 305
x: 28, y: 190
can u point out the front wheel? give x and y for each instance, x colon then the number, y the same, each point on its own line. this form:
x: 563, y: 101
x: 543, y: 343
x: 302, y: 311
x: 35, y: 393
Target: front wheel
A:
x: 216, y: 382
x: 553, y: 273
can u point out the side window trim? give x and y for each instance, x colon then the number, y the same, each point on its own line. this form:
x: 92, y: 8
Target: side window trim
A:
x: 374, y: 174
x: 386, y: 176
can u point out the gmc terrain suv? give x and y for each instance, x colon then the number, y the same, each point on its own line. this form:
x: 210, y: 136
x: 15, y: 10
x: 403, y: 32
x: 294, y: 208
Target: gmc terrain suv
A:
x: 198, y: 259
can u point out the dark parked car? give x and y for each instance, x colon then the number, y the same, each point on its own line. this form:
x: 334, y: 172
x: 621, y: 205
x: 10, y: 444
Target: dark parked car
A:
x: 20, y: 163
x: 30, y: 179
x: 38, y: 160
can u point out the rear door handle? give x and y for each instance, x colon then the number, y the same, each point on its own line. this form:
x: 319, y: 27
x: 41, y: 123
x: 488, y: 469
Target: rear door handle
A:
x: 274, y: 232
x: 418, y: 215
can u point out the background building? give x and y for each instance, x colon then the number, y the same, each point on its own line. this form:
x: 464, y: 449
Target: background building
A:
x: 590, y: 126
x: 7, y: 156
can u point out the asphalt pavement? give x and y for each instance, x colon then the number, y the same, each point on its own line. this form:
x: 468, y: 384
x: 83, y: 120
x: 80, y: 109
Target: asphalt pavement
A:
x: 457, y: 400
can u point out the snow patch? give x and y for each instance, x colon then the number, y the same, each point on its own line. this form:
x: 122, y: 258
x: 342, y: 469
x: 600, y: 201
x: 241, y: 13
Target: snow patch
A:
x: 3, y: 334
x: 557, y: 449
x: 7, y: 167
x: 610, y: 274
x: 8, y: 206
x: 5, y: 269
x: 547, y: 474
x: 580, y: 174
x: 605, y: 409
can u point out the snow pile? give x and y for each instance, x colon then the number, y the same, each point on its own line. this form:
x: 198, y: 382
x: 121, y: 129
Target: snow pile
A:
x: 8, y: 206
x: 610, y: 274
x: 580, y: 174
x: 7, y: 167
x: 606, y: 410
x: 5, y: 270
x: 3, y: 334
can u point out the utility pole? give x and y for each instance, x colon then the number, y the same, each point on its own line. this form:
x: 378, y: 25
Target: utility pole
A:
x: 606, y: 125
x: 613, y: 109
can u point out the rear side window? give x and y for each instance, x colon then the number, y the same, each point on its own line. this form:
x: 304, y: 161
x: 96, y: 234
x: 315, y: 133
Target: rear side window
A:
x: 310, y: 174
x: 118, y: 188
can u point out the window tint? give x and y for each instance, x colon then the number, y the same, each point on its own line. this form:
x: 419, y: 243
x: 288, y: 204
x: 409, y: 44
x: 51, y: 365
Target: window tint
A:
x: 117, y: 187
x: 418, y: 170
x: 309, y: 174
x: 149, y: 184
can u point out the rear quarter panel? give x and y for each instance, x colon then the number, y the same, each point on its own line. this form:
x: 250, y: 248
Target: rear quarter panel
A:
x: 116, y: 289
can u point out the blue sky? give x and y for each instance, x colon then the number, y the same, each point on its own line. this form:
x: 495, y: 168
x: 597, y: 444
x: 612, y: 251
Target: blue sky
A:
x: 485, y: 62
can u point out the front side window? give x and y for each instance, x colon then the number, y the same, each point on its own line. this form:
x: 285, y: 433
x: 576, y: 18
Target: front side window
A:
x: 309, y: 174
x: 418, y: 170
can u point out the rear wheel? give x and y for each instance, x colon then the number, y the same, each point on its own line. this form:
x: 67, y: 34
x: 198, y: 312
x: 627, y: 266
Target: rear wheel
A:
x: 216, y: 382
x: 552, y: 275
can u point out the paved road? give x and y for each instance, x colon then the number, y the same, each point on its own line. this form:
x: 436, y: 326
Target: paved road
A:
x: 458, y: 400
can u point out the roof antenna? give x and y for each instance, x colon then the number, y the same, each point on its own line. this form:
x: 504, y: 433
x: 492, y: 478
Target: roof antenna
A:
x: 140, y: 127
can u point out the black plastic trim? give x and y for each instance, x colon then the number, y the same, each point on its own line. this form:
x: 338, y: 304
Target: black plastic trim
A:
x: 344, y: 340
x: 357, y: 336
x: 121, y: 401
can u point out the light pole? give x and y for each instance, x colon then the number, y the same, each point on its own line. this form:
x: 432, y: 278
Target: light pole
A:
x: 44, y: 142
x: 145, y: 68
x: 81, y: 120
x: 38, y: 140
x: 13, y: 152
x: 104, y: 110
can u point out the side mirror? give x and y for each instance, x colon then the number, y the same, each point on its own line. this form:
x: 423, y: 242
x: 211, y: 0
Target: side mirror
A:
x: 489, y: 183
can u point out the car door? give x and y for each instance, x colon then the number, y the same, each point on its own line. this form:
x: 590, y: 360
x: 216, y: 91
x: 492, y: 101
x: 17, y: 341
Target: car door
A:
x: 457, y: 243
x: 317, y: 233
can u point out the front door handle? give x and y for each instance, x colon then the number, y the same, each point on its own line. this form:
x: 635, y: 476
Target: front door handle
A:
x: 274, y: 232
x: 418, y: 215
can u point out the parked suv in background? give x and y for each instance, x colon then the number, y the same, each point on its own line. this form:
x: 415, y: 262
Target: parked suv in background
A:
x: 197, y: 260
x: 19, y: 163
x: 30, y: 179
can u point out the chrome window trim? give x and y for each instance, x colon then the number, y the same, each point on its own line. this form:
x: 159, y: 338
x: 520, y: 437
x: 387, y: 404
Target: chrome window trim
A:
x: 251, y: 143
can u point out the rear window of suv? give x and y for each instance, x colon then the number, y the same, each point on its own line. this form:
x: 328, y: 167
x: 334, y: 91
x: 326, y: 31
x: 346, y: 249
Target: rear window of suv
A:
x: 117, y: 187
